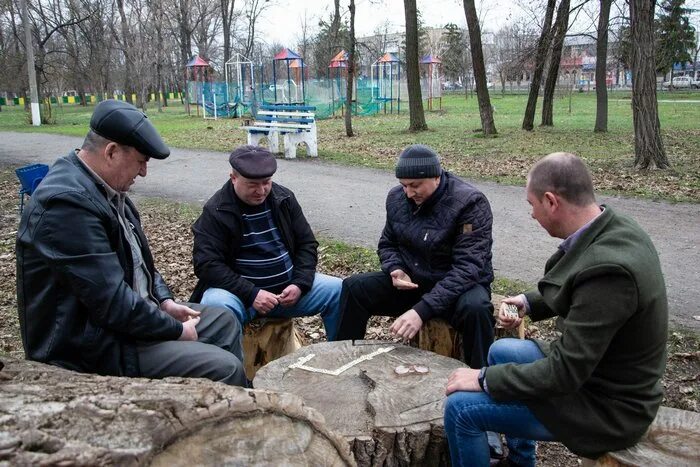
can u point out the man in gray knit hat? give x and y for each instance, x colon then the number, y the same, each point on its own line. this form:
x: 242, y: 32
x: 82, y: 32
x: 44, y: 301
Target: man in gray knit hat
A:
x: 435, y: 254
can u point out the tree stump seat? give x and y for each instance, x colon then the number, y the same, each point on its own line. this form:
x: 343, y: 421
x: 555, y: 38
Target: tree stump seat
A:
x: 388, y: 407
x: 52, y: 416
x: 672, y: 439
x: 266, y: 339
x: 438, y: 336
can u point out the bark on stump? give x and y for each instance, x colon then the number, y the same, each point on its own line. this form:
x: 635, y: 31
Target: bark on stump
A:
x: 267, y: 339
x: 672, y: 439
x: 51, y: 416
x: 387, y: 419
x: 438, y: 336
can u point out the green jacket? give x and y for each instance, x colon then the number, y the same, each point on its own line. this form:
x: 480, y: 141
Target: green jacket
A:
x: 599, y: 387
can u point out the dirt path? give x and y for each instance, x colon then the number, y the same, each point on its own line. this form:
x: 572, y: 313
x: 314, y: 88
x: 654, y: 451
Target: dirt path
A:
x: 347, y: 203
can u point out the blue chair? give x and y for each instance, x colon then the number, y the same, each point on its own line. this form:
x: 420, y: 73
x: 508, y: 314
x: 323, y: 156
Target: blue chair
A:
x: 29, y: 178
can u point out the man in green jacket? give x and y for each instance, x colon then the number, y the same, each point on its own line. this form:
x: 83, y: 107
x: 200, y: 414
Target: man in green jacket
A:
x: 597, y: 387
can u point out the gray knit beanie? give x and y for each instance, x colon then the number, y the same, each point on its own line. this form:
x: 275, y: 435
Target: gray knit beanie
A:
x: 418, y: 161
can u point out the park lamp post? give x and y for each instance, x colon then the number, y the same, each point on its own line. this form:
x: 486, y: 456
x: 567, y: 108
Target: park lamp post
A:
x: 36, y: 116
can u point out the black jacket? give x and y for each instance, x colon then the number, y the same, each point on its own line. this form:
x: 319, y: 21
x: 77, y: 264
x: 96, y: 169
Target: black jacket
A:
x: 217, y: 239
x: 444, y: 245
x: 76, y: 306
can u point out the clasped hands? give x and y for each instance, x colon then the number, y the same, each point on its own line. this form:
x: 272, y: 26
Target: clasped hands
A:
x: 265, y: 301
x: 186, y: 315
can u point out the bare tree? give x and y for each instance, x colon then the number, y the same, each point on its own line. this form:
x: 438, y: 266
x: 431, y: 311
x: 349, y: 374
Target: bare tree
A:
x: 227, y: 9
x: 415, y: 101
x: 560, y: 26
x: 648, y: 146
x: 601, y: 89
x: 125, y: 42
x: 253, y: 10
x: 482, y: 92
x: 351, y: 72
x: 540, y: 59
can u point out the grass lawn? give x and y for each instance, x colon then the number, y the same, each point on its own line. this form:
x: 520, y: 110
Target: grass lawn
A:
x: 505, y: 158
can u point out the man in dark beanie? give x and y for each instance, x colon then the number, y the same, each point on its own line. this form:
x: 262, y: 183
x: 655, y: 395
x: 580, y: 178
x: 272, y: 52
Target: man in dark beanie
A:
x: 435, y: 253
x: 89, y: 296
x: 254, y: 251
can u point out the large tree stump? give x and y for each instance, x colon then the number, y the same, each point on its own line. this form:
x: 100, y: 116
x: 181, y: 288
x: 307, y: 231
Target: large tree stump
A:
x: 51, y: 416
x: 388, y: 419
x: 267, y: 339
x: 438, y: 336
x: 673, y: 439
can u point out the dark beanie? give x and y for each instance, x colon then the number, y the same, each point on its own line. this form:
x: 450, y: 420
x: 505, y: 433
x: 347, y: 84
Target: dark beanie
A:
x: 418, y: 161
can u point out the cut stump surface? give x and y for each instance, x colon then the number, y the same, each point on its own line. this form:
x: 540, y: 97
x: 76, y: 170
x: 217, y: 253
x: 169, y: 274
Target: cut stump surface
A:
x: 51, y: 416
x: 388, y: 419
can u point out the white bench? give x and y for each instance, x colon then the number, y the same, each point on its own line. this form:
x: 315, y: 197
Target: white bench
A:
x: 296, y: 123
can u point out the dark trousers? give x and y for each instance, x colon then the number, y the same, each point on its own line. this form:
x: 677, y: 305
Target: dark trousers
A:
x: 372, y: 293
x: 216, y: 355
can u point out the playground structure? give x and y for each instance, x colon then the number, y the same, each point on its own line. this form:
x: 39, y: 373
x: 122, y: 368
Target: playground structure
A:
x: 240, y: 85
x: 246, y: 87
x: 337, y: 77
x: 290, y: 90
x: 431, y: 80
x: 386, y: 80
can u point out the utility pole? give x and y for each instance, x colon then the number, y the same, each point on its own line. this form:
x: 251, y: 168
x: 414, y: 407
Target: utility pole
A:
x: 36, y: 116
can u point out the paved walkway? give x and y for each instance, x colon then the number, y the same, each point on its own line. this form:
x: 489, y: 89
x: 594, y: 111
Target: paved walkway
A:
x: 347, y: 203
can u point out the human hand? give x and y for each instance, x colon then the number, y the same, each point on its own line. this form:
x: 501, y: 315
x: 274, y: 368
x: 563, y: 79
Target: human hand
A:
x: 463, y: 379
x: 407, y: 325
x: 290, y: 295
x: 505, y: 319
x: 180, y: 312
x: 189, y: 332
x: 401, y: 281
x: 265, y: 301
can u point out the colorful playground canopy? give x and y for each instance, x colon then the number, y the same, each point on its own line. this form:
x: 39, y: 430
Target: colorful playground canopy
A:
x: 388, y: 58
x: 430, y: 59
x: 340, y: 60
x: 196, y: 62
x: 286, y: 54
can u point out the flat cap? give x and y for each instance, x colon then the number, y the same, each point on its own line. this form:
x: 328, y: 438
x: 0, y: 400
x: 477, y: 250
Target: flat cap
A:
x: 123, y: 123
x: 253, y: 161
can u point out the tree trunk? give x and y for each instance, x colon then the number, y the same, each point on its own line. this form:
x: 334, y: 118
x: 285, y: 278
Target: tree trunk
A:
x: 389, y: 415
x: 482, y: 92
x: 268, y: 339
x: 126, y: 42
x: 415, y: 100
x: 560, y: 26
x: 648, y: 146
x: 540, y: 59
x: 351, y: 73
x: 53, y: 416
x: 601, y: 87
x: 185, y: 46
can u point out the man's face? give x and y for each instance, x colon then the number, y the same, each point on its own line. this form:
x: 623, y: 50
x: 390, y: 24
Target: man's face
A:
x: 125, y: 164
x: 252, y: 191
x: 419, y: 189
x: 541, y: 211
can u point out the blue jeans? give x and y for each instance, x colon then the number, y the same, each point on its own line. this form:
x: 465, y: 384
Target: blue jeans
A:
x: 469, y: 415
x: 323, y: 298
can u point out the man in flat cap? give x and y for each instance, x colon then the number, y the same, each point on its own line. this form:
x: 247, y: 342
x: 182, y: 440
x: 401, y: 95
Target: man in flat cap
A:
x: 89, y: 297
x: 435, y: 253
x: 254, y: 251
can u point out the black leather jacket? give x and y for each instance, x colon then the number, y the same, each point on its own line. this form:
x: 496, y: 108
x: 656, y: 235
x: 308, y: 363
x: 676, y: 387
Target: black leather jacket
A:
x: 217, y: 239
x: 76, y: 306
x: 444, y: 245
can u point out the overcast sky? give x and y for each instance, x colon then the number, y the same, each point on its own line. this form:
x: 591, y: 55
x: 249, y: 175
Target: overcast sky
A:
x: 281, y: 21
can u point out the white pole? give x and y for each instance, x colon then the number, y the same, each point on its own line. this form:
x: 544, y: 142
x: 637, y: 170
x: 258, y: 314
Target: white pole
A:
x: 36, y: 115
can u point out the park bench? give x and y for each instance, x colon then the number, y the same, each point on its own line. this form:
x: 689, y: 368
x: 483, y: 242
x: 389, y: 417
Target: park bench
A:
x: 296, y: 124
